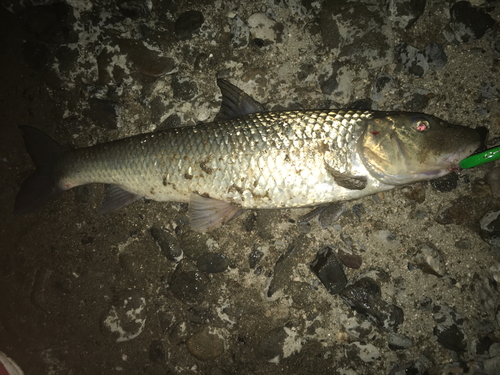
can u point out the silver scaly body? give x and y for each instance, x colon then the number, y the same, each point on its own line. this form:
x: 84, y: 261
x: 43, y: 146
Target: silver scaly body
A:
x: 264, y: 160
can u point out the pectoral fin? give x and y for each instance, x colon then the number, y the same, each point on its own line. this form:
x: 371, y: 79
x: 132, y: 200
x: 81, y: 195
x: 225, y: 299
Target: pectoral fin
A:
x: 346, y: 180
x: 208, y: 213
x: 116, y: 198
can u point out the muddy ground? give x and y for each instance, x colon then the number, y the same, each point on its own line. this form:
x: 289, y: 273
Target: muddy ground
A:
x: 137, y: 292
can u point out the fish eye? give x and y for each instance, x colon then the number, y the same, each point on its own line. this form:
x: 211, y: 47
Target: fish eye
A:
x: 421, y: 125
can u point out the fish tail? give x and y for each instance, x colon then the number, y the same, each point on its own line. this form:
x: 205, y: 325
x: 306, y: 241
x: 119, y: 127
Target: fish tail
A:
x: 41, y: 186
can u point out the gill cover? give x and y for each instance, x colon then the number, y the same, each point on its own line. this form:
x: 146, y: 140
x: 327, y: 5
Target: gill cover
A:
x: 400, y: 148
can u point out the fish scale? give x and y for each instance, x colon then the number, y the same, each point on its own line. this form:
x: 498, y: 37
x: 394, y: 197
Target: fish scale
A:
x: 253, y: 159
x: 263, y: 161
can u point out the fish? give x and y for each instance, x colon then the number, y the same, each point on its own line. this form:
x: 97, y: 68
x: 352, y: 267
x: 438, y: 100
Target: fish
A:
x: 250, y: 158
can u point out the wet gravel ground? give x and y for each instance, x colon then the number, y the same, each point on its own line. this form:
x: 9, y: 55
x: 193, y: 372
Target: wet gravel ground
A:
x: 404, y: 282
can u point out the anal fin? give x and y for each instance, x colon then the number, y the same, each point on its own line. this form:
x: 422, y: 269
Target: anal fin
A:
x: 208, y: 213
x: 115, y: 198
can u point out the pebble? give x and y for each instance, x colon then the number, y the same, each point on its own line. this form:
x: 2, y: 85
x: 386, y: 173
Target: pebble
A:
x: 461, y: 210
x: 446, y: 183
x: 417, y: 102
x: 383, y: 84
x: 240, y: 33
x: 469, y: 22
x: 327, y: 267
x: 212, y: 263
x: 184, y: 89
x: 448, y: 329
x: 283, y: 269
x: 413, y: 60
x: 205, y: 346
x: 398, y: 341
x: 135, y: 8
x: 105, y: 114
x: 436, y: 56
x: 262, y: 28
x: 365, y: 297
x: 430, y: 260
x: 188, y: 24
x: 126, y: 317
x: 270, y: 347
x: 148, y: 62
x: 194, y: 244
x: 167, y: 243
x: 188, y: 284
x: 414, y: 192
x: 404, y: 13
x: 348, y: 258
x: 255, y: 257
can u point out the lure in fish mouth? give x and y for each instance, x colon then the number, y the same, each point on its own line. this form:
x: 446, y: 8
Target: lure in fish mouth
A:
x: 252, y: 159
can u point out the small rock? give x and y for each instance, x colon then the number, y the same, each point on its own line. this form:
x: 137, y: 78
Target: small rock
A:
x: 358, y: 210
x: 212, y: 263
x: 446, y: 183
x: 413, y: 60
x: 328, y: 83
x: 430, y: 260
x: 405, y: 13
x: 240, y: 33
x: 284, y: 266
x: 167, y: 243
x: 147, y: 61
x: 184, y: 89
x: 398, y: 341
x: 448, y: 329
x: 255, y: 257
x: 193, y: 244
x: 270, y: 347
x: 468, y: 22
x: 135, y: 8
x: 414, y: 192
x: 205, y: 346
x: 126, y: 318
x: 365, y: 297
x: 436, y: 56
x: 382, y: 86
x: 187, y: 24
x: 156, y: 351
x: 417, y: 102
x: 172, y: 121
x: 364, y: 104
x: 262, y: 28
x: 458, y: 211
x: 327, y: 267
x: 349, y: 259
x: 304, y: 226
x: 105, y: 114
x: 187, y: 283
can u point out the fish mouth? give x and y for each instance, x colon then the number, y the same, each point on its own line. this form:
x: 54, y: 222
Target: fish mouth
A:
x: 452, y: 161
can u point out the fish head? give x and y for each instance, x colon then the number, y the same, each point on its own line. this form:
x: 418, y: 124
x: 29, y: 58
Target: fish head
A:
x: 399, y: 148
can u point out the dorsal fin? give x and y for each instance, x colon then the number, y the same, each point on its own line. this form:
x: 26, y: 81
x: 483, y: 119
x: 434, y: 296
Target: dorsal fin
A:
x: 235, y: 102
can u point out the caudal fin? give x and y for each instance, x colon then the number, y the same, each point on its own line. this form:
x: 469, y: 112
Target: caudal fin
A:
x: 41, y: 186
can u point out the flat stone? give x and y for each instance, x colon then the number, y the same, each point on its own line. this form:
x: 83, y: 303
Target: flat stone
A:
x: 205, y: 346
